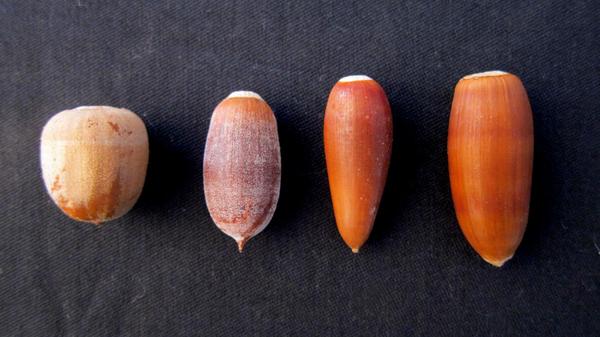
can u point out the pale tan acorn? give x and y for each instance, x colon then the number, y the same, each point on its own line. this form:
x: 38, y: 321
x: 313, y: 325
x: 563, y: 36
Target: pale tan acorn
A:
x: 94, y: 161
x: 490, y: 155
x: 242, y: 166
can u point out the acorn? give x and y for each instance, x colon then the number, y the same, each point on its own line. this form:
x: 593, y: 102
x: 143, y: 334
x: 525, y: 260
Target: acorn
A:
x: 490, y: 157
x: 358, y: 143
x: 242, y: 166
x: 94, y: 161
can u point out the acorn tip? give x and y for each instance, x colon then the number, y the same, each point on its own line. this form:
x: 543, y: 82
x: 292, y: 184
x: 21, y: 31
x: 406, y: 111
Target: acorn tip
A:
x: 245, y: 94
x: 354, y: 78
x: 355, y: 250
x: 489, y: 73
x: 496, y: 262
x: 241, y: 243
x: 97, y: 223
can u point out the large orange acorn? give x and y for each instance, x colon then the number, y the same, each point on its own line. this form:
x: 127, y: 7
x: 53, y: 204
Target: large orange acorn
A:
x: 242, y: 166
x: 490, y: 156
x: 358, y: 143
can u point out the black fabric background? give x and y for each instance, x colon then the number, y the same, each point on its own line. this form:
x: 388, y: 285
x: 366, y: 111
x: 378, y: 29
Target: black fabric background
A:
x: 165, y: 270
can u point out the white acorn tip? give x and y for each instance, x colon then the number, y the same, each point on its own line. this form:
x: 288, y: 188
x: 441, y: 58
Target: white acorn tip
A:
x: 496, y: 263
x: 354, y: 78
x: 486, y: 74
x: 245, y: 94
x: 93, y: 107
x: 355, y: 250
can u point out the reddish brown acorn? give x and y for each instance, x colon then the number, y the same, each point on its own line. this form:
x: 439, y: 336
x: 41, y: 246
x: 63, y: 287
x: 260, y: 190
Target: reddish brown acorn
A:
x: 490, y: 156
x: 94, y: 161
x: 242, y: 166
x: 358, y: 143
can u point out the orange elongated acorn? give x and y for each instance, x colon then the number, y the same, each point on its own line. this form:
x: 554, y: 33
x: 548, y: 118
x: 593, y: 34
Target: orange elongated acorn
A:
x: 242, y: 166
x: 358, y: 143
x: 94, y: 161
x: 490, y: 156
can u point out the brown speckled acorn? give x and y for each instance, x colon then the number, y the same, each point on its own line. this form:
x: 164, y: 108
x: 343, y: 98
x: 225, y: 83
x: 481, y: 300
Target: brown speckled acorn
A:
x: 242, y: 166
x: 94, y: 161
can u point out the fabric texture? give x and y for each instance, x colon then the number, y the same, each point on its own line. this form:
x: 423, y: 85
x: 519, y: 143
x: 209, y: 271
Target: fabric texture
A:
x: 165, y: 270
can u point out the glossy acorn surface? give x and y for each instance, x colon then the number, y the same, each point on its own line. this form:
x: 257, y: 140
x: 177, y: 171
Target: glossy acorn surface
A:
x: 358, y: 143
x: 490, y: 157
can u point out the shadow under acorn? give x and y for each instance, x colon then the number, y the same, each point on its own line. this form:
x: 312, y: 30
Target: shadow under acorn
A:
x: 174, y: 176
x: 296, y: 185
x: 409, y: 151
x: 544, y: 208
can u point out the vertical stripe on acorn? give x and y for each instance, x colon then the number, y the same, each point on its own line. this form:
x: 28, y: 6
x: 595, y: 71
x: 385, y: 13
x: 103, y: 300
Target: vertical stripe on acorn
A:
x: 490, y: 156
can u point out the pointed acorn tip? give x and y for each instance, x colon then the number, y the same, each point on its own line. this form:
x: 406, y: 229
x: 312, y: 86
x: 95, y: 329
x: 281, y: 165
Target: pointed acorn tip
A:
x: 355, y: 250
x: 241, y: 243
x: 496, y: 262
x: 354, y: 78
x: 245, y: 94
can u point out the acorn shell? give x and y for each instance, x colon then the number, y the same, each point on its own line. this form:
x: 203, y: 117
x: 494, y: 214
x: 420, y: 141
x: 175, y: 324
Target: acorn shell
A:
x: 242, y: 166
x: 94, y: 161
x: 490, y: 155
x: 358, y: 143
